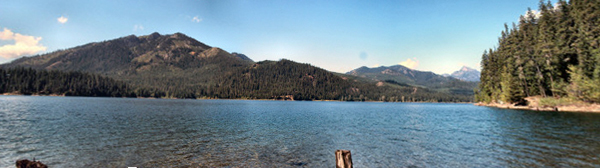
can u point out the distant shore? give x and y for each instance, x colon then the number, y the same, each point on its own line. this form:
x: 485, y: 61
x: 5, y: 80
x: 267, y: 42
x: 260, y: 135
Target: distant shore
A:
x: 18, y: 94
x: 533, y: 105
x: 209, y: 98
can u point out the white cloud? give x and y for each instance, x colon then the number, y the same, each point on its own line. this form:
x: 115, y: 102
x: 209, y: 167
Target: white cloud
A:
x: 556, y: 6
x: 410, y: 63
x: 24, y: 45
x: 62, y: 19
x: 536, y: 14
x: 138, y: 27
x: 196, y: 19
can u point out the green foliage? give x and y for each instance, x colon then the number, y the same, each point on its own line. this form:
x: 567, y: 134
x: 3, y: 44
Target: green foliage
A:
x: 271, y: 80
x: 29, y: 81
x: 554, y: 55
x: 554, y: 102
x: 582, y: 87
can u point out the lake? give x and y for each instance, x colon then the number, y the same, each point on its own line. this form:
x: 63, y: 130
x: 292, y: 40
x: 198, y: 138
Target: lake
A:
x: 121, y: 132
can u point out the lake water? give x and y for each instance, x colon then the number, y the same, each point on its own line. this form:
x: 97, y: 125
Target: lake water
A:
x: 121, y: 132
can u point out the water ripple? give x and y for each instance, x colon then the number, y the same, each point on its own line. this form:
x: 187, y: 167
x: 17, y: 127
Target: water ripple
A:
x: 114, y: 132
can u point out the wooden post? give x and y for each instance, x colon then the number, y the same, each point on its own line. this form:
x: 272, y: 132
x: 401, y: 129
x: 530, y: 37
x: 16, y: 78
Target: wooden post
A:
x: 343, y: 159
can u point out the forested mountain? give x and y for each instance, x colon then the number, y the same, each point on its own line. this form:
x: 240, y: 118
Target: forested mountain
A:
x: 403, y: 75
x: 555, y: 53
x: 177, y: 66
x: 466, y: 74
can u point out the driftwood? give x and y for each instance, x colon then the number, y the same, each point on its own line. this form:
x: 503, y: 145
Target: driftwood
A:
x: 343, y: 159
x: 30, y: 164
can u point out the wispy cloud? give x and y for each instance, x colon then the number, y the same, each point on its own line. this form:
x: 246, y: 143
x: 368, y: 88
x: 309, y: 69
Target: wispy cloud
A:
x: 62, y: 20
x: 23, y: 44
x: 196, y: 19
x: 138, y: 27
x: 410, y: 63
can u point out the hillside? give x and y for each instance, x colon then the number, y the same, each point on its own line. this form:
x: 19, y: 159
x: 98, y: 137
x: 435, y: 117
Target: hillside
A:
x: 410, y: 77
x: 283, y: 79
x: 174, y: 63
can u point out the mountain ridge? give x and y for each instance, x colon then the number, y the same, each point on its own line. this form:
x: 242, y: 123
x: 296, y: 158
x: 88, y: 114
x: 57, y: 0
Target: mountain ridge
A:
x: 143, y: 50
x: 182, y: 67
x: 152, y: 58
x: 426, y: 79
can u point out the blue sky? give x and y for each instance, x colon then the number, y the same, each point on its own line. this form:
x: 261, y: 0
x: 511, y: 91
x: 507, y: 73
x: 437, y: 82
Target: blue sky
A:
x: 431, y: 35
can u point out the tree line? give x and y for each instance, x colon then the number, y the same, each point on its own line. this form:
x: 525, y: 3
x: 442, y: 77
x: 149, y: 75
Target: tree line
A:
x: 28, y: 81
x: 551, y: 52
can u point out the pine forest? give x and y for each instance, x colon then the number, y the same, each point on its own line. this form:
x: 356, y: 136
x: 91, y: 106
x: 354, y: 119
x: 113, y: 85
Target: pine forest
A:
x: 553, y: 52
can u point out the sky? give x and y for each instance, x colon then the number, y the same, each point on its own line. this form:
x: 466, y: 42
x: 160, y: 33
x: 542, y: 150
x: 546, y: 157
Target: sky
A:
x: 338, y: 35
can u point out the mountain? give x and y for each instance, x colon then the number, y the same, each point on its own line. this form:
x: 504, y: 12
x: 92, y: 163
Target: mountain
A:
x: 172, y: 62
x: 466, y: 74
x: 399, y: 73
x: 403, y: 75
x: 131, y: 53
x: 177, y: 66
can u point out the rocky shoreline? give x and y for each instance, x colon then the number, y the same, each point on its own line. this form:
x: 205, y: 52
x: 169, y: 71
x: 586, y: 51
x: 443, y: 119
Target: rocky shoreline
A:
x: 533, y: 105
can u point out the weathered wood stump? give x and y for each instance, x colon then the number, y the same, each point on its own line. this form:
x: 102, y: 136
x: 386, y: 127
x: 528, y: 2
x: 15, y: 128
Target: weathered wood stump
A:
x: 30, y: 164
x: 343, y: 159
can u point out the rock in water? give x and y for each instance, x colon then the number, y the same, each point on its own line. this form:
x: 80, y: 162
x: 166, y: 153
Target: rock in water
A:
x: 30, y: 164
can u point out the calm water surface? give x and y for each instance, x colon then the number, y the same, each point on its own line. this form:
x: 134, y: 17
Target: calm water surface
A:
x: 117, y: 132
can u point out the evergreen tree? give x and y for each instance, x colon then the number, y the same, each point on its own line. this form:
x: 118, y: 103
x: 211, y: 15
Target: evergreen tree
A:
x: 556, y: 54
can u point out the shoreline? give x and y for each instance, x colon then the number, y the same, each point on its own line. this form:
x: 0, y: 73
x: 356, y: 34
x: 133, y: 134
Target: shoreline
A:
x: 207, y: 98
x: 591, y: 108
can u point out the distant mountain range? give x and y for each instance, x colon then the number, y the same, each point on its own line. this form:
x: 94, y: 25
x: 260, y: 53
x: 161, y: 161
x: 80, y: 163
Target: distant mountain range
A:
x: 410, y: 77
x: 466, y: 74
x: 178, y: 66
